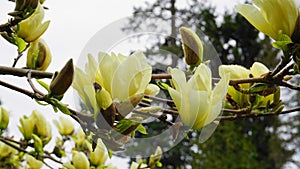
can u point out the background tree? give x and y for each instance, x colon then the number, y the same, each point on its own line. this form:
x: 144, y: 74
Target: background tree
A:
x: 247, y: 143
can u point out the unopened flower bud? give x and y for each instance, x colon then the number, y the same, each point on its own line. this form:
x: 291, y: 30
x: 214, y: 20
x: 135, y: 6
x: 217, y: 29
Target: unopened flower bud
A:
x: 27, y: 126
x: 103, y: 97
x: 98, y: 156
x: 192, y: 47
x: 38, y: 56
x: 40, y: 123
x: 80, y: 160
x: 38, y: 144
x: 152, y: 90
x: 64, y: 126
x: 60, y: 83
x: 4, y: 118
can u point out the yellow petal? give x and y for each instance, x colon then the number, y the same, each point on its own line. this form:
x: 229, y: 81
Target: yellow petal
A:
x: 254, y: 16
x: 131, y: 77
x: 257, y: 69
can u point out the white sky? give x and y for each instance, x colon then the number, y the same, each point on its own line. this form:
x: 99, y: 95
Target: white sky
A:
x: 73, y: 23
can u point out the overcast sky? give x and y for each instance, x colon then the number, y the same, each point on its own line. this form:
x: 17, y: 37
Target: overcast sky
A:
x: 73, y: 23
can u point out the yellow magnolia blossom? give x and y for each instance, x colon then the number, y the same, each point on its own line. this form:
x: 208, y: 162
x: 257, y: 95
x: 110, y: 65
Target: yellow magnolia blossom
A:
x: 239, y: 72
x: 272, y: 17
x: 64, y: 126
x: 36, y: 124
x: 38, y: 55
x: 120, y: 76
x: 4, y: 118
x: 80, y: 160
x: 197, y: 104
x: 32, y: 163
x: 32, y: 27
x: 98, y: 156
x: 6, y: 151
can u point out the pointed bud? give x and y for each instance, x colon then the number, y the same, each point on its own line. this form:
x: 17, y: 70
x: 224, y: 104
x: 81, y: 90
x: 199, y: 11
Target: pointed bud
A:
x: 192, y: 47
x: 80, y: 160
x: 98, y: 156
x: 38, y: 144
x: 4, y: 118
x: 103, y: 97
x: 38, y: 55
x: 64, y: 126
x: 40, y: 127
x: 60, y: 83
x: 27, y: 126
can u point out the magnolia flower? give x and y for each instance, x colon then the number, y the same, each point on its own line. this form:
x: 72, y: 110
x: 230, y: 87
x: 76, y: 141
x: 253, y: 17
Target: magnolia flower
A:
x: 80, y: 160
x: 6, y: 151
x: 38, y: 56
x: 33, y: 163
x: 64, y: 126
x: 36, y: 124
x: 98, y: 156
x: 27, y: 126
x: 239, y: 72
x: 197, y: 104
x: 32, y: 27
x: 152, y: 90
x: 120, y: 76
x: 272, y: 17
x: 4, y: 118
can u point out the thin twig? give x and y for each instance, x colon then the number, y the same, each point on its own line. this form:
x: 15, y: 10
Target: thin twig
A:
x: 12, y: 145
x: 234, y: 117
x: 162, y: 118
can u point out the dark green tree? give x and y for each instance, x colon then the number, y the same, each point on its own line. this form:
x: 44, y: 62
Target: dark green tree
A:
x: 243, y: 143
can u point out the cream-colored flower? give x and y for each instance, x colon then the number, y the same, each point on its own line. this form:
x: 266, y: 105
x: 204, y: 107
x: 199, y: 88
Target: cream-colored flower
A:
x: 272, y: 17
x: 32, y: 27
x: 98, y: 156
x: 32, y: 163
x: 38, y: 55
x: 27, y: 126
x: 121, y: 76
x: 6, y: 151
x: 197, y: 104
x: 239, y: 72
x: 152, y: 90
x: 64, y: 126
x: 4, y: 118
x: 80, y: 160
